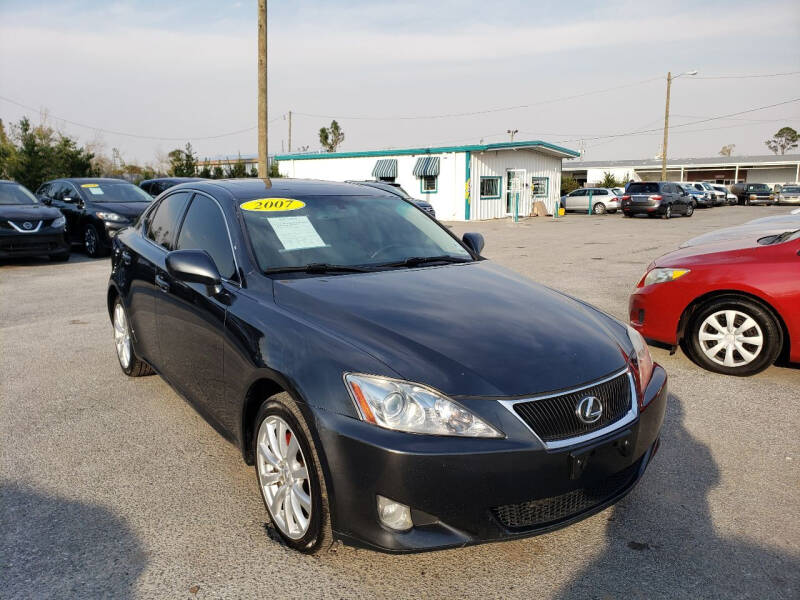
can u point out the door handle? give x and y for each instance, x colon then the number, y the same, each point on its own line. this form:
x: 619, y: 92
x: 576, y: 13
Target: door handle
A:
x: 162, y: 283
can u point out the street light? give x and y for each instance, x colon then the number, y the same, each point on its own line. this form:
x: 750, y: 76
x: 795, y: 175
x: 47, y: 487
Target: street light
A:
x: 666, y: 120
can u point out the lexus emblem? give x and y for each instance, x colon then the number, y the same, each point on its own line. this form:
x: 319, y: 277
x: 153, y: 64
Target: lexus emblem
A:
x: 27, y: 225
x: 589, y: 410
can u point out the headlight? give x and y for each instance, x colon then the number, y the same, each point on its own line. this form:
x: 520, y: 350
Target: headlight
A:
x: 59, y: 222
x: 413, y: 408
x: 664, y: 275
x: 643, y: 361
x: 109, y: 216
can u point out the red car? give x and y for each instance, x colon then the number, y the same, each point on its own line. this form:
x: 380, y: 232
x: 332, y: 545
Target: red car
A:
x: 733, y: 306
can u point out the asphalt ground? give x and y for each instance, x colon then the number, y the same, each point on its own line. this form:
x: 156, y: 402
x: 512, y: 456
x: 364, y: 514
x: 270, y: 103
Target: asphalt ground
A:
x: 114, y: 487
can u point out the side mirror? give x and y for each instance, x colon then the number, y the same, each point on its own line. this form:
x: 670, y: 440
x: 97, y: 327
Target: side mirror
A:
x: 45, y: 200
x: 473, y: 241
x: 195, y: 266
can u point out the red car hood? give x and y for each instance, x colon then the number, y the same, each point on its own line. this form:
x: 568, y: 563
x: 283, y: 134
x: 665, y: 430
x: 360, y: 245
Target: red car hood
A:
x: 695, y: 254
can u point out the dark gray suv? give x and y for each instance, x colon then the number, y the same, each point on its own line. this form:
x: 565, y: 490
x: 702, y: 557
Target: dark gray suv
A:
x: 657, y: 198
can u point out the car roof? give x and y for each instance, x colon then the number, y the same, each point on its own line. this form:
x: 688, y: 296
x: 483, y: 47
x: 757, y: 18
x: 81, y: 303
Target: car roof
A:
x: 180, y: 179
x: 245, y: 189
x: 89, y: 180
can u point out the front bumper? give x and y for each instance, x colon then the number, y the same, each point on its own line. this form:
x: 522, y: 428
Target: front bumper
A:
x: 112, y: 228
x: 467, y: 491
x: 788, y: 200
x: 23, y: 245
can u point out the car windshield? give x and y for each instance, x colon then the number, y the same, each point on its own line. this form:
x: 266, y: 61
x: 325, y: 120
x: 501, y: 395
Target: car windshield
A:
x: 791, y: 189
x: 758, y: 187
x: 114, y: 192
x: 349, y: 231
x: 643, y: 188
x: 13, y: 193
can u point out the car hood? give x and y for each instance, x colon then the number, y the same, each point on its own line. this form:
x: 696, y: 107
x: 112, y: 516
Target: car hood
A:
x: 745, y: 233
x: 28, y: 212
x: 472, y: 329
x: 126, y: 209
x: 679, y: 257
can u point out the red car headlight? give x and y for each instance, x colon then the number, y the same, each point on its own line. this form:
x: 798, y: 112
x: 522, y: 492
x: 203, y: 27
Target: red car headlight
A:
x: 642, y: 363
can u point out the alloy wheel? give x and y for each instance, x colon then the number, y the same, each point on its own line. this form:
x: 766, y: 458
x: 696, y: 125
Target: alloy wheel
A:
x: 689, y: 210
x: 283, y: 476
x: 122, y: 336
x: 668, y: 212
x: 90, y: 241
x: 730, y: 338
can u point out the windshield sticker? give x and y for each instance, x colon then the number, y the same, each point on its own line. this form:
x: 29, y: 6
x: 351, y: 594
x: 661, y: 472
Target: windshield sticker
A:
x: 296, y: 233
x: 272, y: 205
x: 89, y: 185
x: 96, y: 191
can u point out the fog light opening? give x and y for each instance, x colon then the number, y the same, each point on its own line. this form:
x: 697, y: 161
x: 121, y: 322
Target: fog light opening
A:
x: 394, y: 515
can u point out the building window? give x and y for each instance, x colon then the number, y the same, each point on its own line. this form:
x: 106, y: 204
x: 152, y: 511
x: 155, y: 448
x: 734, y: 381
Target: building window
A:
x: 490, y: 188
x: 427, y: 184
x: 540, y: 186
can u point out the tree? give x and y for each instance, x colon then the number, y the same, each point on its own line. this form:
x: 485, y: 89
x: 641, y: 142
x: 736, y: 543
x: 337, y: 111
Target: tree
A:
x: 331, y: 137
x: 236, y: 169
x: 253, y: 172
x: 568, y: 184
x: 727, y: 150
x: 274, y: 171
x: 785, y: 139
x: 7, y: 151
x: 205, y: 172
x: 182, y: 163
x: 217, y: 173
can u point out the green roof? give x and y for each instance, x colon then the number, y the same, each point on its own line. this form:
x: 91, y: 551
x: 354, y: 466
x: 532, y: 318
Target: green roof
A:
x: 533, y: 144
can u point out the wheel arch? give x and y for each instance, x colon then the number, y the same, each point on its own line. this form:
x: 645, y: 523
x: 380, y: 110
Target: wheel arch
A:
x: 703, y: 299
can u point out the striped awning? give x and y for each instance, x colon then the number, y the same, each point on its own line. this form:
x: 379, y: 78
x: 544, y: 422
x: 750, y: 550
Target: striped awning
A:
x: 385, y: 167
x: 427, y: 166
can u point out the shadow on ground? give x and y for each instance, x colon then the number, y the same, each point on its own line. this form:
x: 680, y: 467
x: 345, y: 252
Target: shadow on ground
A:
x: 51, y: 547
x: 661, y: 541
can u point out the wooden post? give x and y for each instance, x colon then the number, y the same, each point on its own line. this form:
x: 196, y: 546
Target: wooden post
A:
x: 263, y: 167
x: 666, y: 131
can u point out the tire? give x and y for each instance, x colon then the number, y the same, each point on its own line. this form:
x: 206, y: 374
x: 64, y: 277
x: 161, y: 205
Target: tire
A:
x: 92, y: 244
x: 63, y: 257
x: 130, y: 364
x: 312, y: 504
x: 599, y: 209
x: 689, y: 210
x: 668, y: 212
x: 741, y: 355
x: 747, y: 201
x: 612, y: 211
x: 628, y: 215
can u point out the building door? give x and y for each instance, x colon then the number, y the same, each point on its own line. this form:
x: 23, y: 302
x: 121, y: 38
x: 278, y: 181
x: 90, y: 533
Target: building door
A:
x: 515, y: 191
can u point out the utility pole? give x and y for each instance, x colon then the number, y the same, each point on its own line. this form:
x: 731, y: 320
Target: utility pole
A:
x: 666, y: 121
x: 290, y: 132
x: 263, y: 170
x: 666, y: 131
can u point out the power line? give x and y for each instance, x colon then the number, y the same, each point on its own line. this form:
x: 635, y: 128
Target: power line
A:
x: 752, y: 76
x: 477, y: 112
x: 136, y: 135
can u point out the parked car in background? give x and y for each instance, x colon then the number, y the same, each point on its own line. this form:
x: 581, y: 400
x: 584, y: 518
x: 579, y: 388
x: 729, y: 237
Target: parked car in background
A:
x: 155, y: 186
x: 619, y: 191
x: 701, y: 197
x: 29, y: 228
x: 752, y: 193
x: 603, y: 200
x: 720, y: 197
x: 663, y: 199
x: 789, y: 194
x: 322, y: 330
x: 732, y: 305
x: 397, y: 190
x: 95, y: 208
x: 759, y: 227
x: 726, y: 197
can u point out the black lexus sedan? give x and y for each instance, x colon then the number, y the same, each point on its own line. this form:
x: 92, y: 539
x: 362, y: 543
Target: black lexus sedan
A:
x: 155, y: 186
x: 95, y: 208
x: 393, y: 389
x: 27, y: 228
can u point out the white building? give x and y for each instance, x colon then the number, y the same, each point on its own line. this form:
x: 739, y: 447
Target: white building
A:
x: 463, y: 183
x: 770, y: 169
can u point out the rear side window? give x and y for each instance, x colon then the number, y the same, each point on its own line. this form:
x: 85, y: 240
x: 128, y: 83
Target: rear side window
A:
x: 162, y: 223
x: 204, y: 229
x: 641, y: 187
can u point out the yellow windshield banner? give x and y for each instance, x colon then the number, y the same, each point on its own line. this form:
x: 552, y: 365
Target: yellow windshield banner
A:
x: 89, y: 185
x: 272, y: 205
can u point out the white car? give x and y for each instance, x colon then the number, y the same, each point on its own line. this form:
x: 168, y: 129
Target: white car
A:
x: 757, y: 227
x: 604, y: 200
x: 789, y: 194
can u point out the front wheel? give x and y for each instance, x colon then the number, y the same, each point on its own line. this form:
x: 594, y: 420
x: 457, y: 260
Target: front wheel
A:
x: 130, y: 364
x: 92, y: 243
x: 289, y: 476
x: 734, y: 336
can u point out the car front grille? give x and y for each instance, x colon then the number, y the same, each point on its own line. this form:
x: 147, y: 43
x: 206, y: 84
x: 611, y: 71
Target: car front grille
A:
x: 555, y: 418
x: 548, y: 511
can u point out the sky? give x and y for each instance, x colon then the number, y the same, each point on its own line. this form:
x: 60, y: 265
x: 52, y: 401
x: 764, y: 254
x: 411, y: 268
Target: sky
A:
x: 571, y: 73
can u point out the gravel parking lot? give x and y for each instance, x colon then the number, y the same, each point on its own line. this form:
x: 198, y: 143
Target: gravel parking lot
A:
x: 115, y: 487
